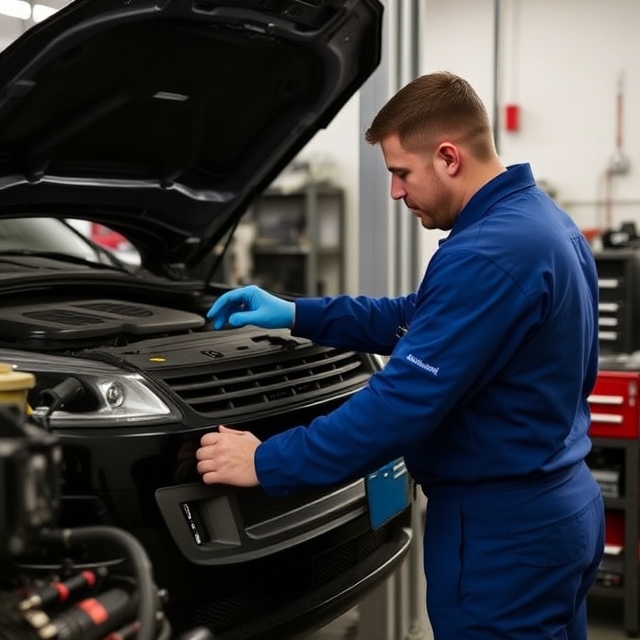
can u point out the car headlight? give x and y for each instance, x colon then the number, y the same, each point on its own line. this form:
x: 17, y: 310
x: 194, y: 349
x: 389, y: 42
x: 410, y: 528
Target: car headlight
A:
x: 110, y: 397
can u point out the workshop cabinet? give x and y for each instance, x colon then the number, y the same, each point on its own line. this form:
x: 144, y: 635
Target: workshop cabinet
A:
x: 299, y: 240
x: 614, y: 461
x: 619, y: 304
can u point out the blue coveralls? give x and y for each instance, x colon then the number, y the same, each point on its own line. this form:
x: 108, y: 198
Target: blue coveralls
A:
x: 485, y: 396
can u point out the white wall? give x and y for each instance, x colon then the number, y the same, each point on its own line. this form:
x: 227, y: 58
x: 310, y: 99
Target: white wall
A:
x: 563, y: 63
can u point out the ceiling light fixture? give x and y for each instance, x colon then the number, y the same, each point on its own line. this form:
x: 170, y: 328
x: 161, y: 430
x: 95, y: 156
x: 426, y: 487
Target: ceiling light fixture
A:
x: 41, y: 11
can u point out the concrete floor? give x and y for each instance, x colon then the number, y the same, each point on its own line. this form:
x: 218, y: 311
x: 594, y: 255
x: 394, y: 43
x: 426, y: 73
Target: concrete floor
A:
x: 605, y: 623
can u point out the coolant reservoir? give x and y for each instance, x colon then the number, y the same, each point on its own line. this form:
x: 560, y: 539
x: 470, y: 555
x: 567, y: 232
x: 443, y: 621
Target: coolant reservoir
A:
x: 14, y: 386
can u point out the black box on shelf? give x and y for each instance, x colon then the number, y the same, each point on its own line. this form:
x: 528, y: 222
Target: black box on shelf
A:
x: 607, y: 466
x: 611, y: 570
x: 609, y: 482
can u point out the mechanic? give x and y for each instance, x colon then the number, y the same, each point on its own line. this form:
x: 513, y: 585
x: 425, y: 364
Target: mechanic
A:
x: 485, y: 392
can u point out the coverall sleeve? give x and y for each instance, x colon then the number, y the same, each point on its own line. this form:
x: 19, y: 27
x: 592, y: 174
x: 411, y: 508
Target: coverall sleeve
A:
x: 360, y: 323
x: 469, y: 318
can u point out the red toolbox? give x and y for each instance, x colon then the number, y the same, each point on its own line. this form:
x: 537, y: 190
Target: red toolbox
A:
x: 614, y: 405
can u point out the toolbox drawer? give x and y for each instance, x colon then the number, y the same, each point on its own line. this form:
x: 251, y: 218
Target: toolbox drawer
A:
x: 614, y: 405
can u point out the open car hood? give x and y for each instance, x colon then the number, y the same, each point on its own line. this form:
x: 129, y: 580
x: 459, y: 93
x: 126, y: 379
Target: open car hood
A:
x: 164, y: 120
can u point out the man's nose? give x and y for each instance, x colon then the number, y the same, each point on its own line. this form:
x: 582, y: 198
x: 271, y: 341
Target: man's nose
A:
x: 397, y: 190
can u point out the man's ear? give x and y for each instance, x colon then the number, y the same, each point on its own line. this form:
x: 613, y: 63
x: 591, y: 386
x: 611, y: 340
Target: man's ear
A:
x: 448, y: 154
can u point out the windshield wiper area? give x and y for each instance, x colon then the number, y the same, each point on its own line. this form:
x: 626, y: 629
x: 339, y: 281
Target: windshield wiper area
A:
x: 115, y: 265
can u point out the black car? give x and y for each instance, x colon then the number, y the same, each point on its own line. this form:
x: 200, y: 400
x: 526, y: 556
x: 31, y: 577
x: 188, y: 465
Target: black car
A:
x: 163, y: 122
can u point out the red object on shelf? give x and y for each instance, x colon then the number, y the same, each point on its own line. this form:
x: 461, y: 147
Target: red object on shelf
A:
x: 591, y: 233
x: 614, y: 405
x: 512, y: 117
x: 614, y: 527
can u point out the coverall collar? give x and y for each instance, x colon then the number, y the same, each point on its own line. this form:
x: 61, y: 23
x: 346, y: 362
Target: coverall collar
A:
x: 515, y: 178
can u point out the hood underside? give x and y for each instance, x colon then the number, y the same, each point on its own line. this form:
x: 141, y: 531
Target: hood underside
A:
x: 164, y: 121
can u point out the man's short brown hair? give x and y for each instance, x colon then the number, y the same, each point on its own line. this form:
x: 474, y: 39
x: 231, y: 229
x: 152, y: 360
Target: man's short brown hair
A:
x: 431, y: 107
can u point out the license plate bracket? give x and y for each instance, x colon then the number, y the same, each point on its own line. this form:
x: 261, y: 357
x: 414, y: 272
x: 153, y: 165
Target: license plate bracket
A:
x: 387, y: 491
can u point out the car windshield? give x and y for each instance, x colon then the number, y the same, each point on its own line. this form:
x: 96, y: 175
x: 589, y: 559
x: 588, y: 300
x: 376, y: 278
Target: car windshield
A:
x: 49, y: 236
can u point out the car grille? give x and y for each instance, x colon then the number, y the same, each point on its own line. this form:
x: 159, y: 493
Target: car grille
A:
x: 223, y: 392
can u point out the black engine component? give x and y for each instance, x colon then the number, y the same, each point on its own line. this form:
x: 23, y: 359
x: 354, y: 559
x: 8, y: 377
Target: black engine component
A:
x: 50, y: 587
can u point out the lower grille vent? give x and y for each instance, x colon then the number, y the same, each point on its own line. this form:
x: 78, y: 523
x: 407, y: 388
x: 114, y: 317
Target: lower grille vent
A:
x: 255, y: 509
x: 288, y: 380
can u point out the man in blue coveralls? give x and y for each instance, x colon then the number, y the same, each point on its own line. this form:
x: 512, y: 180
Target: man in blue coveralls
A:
x: 485, y: 392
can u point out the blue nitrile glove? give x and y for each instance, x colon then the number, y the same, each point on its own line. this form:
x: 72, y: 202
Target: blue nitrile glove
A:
x: 251, y: 305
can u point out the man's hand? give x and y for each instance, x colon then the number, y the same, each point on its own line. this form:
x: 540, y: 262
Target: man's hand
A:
x: 226, y: 457
x: 251, y: 305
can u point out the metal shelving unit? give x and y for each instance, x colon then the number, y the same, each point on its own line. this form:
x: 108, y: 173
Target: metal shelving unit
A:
x: 299, y: 245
